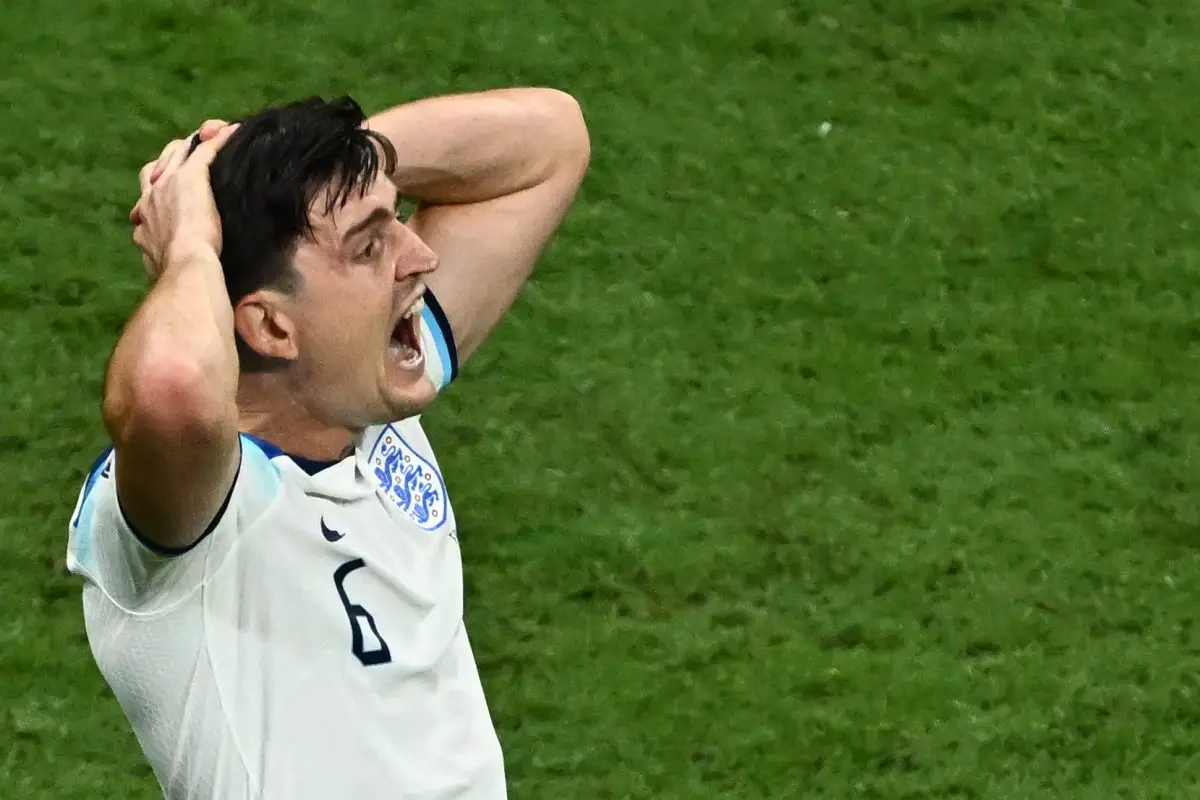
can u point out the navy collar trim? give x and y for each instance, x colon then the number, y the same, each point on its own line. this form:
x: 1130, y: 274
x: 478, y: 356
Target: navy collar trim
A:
x: 309, y: 465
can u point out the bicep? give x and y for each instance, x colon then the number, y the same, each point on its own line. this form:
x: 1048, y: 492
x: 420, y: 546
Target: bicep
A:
x: 172, y: 489
x: 176, y: 454
x: 487, y: 250
x: 172, y: 496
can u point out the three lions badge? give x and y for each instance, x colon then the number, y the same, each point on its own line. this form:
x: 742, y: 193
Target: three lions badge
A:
x: 410, y: 481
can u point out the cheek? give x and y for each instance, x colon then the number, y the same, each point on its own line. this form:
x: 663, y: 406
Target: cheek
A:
x: 347, y: 329
x: 348, y: 340
x: 326, y: 337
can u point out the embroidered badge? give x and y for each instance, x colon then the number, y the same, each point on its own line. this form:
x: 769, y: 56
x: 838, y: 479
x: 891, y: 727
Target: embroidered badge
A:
x: 411, y: 482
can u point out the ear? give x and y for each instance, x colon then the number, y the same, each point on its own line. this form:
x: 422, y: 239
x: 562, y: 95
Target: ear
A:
x: 262, y: 321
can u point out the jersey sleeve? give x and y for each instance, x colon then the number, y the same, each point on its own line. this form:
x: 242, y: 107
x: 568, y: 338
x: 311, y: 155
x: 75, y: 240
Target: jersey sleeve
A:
x: 437, y: 343
x: 134, y: 573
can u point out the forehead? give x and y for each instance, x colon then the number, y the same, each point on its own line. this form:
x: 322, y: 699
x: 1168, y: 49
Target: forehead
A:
x: 333, y: 223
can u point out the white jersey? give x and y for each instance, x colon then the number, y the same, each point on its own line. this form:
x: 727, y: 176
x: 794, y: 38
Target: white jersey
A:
x: 311, y: 645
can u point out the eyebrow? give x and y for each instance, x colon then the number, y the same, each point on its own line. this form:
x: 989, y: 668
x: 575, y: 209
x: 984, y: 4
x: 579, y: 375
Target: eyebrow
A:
x: 377, y: 215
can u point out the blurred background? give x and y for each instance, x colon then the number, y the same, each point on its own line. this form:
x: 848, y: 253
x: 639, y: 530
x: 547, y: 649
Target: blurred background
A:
x: 841, y: 446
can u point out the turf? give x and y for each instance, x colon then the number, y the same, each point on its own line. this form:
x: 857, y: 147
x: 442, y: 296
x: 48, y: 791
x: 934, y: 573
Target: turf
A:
x: 816, y: 461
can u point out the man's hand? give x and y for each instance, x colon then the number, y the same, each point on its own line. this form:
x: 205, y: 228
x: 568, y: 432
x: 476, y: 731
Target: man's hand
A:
x: 176, y: 214
x: 171, y: 157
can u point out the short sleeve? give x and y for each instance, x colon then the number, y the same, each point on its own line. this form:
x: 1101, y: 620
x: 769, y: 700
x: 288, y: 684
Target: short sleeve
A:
x: 138, y: 576
x: 437, y: 343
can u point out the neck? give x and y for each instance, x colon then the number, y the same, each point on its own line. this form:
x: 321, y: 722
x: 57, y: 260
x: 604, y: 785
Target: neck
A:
x: 266, y: 409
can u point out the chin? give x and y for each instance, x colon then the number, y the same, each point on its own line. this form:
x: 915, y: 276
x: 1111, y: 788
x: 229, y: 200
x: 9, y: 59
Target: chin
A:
x: 411, y: 400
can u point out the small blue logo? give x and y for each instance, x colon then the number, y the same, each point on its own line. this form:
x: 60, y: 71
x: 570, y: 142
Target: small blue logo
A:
x: 411, y: 482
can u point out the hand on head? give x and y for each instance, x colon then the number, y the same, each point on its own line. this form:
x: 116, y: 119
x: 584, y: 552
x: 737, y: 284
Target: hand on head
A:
x: 176, y: 214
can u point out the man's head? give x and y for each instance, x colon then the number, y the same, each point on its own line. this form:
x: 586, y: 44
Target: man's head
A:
x: 320, y: 271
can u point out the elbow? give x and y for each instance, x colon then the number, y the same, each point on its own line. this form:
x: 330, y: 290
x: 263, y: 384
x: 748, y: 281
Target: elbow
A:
x: 562, y: 118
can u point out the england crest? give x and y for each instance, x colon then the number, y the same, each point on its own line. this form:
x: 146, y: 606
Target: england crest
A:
x: 409, y: 481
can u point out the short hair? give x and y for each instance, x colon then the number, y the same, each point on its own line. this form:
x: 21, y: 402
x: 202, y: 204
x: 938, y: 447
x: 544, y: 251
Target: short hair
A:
x: 268, y: 177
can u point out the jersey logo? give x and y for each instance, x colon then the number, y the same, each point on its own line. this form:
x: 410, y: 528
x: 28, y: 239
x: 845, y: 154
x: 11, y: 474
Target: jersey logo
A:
x: 329, y: 533
x: 411, y: 482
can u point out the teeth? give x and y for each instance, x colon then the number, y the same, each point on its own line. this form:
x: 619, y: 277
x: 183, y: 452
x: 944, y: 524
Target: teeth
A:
x: 415, y: 308
x: 408, y: 356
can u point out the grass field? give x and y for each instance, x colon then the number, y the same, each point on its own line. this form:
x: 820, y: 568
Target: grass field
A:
x: 854, y: 465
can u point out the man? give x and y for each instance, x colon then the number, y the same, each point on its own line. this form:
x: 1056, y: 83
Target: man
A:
x: 273, y: 585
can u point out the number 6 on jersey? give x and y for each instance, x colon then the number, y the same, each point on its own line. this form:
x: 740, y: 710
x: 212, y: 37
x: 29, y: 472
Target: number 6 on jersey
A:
x: 356, y: 613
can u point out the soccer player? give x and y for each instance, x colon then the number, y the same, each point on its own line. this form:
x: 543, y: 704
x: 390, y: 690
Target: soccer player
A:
x: 272, y: 579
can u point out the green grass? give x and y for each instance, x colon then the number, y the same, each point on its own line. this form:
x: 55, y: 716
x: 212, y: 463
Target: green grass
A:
x: 846, y: 466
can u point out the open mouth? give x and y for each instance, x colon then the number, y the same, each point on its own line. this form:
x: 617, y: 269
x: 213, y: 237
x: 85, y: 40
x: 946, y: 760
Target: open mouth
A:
x: 405, y: 344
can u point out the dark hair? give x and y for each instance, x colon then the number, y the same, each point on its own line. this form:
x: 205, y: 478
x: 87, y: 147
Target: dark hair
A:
x: 268, y: 177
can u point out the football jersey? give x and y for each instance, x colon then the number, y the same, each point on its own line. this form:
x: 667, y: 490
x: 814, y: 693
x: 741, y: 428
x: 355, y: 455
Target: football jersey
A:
x: 311, y: 644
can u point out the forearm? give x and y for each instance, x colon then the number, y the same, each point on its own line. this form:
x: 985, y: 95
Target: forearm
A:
x: 177, y: 355
x: 474, y: 147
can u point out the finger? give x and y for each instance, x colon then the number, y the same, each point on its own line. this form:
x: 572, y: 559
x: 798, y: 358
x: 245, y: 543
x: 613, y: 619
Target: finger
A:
x: 172, y: 155
x: 207, y: 151
x: 211, y: 128
x: 166, y: 152
x: 142, y: 243
x: 144, y: 176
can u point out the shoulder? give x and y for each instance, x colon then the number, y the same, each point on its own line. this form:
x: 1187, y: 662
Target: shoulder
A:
x: 398, y: 459
x: 256, y: 472
x: 109, y: 552
x: 385, y: 448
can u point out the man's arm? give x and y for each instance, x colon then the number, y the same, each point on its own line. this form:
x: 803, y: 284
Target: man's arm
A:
x: 494, y: 173
x: 170, y: 389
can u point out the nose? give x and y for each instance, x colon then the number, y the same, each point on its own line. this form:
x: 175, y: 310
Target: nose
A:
x: 415, y: 257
